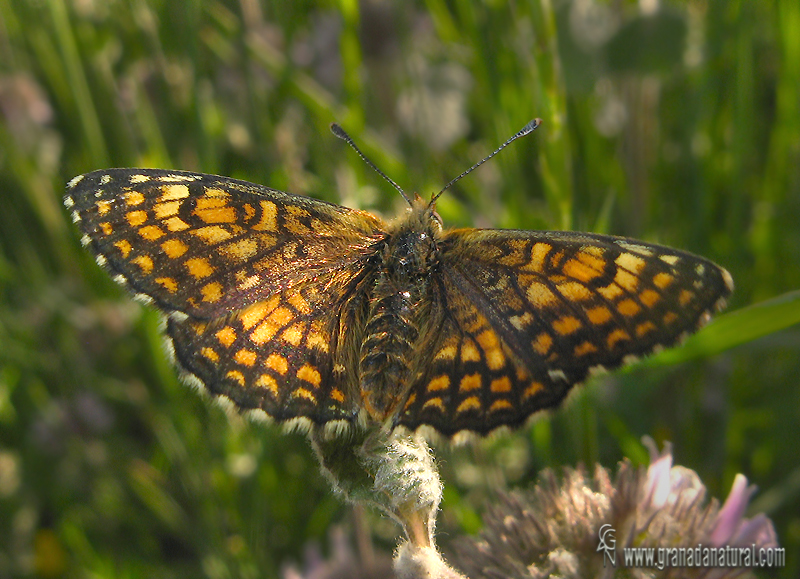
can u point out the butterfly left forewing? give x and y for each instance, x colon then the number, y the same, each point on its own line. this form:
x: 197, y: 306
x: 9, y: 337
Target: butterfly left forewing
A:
x: 202, y: 244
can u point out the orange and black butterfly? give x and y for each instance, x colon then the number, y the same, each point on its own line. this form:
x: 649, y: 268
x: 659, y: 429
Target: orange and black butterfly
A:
x: 303, y: 309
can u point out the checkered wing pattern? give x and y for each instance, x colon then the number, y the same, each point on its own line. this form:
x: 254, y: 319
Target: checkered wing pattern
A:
x: 307, y: 310
x: 286, y: 356
x: 256, y: 283
x: 521, y: 317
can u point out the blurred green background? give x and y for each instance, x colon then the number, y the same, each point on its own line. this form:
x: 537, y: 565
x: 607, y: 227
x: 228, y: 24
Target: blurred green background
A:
x: 673, y: 122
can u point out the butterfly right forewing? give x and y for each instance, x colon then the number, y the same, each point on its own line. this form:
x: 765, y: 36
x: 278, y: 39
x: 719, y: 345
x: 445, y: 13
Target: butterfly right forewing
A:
x: 527, y: 315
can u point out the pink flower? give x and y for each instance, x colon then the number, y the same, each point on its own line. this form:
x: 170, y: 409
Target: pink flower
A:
x: 554, y: 529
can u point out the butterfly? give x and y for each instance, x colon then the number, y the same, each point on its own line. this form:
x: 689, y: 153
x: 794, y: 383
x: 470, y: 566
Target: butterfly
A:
x: 307, y: 311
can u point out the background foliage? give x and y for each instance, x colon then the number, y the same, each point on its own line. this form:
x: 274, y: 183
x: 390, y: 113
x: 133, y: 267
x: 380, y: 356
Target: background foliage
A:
x: 672, y: 122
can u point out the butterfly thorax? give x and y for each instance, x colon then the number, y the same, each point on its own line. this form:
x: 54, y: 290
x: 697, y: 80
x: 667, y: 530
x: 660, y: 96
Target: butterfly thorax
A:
x: 398, y: 306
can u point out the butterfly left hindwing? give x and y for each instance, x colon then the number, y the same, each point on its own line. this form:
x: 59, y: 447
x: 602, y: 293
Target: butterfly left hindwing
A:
x: 285, y: 356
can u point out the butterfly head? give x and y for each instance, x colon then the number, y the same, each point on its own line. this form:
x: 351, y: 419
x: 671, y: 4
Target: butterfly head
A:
x: 421, y: 216
x: 411, y: 247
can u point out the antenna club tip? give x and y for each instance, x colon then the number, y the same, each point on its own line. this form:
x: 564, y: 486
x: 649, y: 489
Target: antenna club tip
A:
x: 337, y: 130
x: 532, y: 126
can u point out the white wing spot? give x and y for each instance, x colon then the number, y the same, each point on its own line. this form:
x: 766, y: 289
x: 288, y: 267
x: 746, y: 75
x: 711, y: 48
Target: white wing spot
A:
x: 598, y: 370
x: 635, y: 247
x: 258, y: 415
x: 169, y: 346
x: 178, y: 316
x: 173, y: 178
x: 336, y: 428
x: 726, y: 277
x: 193, y: 381
x: 299, y: 424
x: 630, y: 359
x: 74, y: 181
x: 143, y: 299
x: 226, y: 403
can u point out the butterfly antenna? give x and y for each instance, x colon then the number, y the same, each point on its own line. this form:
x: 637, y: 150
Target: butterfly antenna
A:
x: 339, y: 132
x: 526, y: 130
